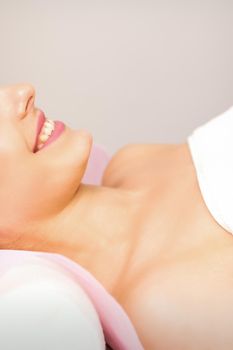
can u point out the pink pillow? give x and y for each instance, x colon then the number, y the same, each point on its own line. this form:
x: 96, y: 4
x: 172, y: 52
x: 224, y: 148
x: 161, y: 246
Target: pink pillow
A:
x: 96, y: 165
x: 118, y: 330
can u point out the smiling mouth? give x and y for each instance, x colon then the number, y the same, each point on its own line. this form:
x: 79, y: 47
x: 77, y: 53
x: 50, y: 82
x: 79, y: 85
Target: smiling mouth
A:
x: 47, y: 132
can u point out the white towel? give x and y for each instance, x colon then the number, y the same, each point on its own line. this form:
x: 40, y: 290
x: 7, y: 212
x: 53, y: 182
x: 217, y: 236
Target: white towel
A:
x: 211, y: 147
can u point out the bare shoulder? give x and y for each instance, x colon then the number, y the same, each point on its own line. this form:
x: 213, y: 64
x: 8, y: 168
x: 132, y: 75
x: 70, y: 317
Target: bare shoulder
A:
x: 132, y: 150
x: 131, y: 161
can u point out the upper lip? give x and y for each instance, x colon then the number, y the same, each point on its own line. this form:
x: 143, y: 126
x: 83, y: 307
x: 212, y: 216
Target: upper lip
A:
x: 40, y: 122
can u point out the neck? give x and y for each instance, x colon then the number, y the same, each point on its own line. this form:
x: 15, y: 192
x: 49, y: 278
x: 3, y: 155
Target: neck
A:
x: 96, y: 230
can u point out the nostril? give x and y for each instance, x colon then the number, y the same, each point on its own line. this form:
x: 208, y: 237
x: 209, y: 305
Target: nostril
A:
x: 29, y: 104
x: 25, y: 96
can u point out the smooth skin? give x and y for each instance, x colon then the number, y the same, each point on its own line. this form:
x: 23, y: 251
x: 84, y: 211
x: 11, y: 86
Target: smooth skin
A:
x: 145, y: 233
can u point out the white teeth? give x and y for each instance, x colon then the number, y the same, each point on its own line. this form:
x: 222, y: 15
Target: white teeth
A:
x: 49, y: 123
x: 45, y: 133
x: 47, y: 129
x: 43, y: 137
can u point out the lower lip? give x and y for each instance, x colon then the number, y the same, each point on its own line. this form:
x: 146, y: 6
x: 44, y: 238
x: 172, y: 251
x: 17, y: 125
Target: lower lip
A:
x: 59, y: 127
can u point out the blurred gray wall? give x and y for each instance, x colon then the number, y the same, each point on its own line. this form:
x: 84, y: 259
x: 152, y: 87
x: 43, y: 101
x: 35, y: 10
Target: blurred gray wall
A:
x: 129, y: 71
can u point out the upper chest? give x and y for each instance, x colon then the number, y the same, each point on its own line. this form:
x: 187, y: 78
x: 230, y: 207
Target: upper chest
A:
x: 162, y: 174
x: 159, y: 175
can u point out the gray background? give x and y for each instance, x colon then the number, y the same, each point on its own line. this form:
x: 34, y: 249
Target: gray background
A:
x: 128, y: 71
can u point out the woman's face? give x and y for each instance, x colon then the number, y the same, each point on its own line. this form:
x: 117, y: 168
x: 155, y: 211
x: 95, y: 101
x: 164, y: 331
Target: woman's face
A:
x: 35, y: 185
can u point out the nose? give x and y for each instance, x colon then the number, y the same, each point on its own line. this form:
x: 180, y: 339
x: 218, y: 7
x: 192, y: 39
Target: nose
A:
x: 25, y: 95
x: 16, y: 100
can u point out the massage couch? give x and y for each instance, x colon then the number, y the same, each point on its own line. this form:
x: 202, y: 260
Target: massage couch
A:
x: 49, y: 302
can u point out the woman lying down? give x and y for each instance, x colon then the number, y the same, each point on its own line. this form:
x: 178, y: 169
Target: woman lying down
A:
x: 156, y: 234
